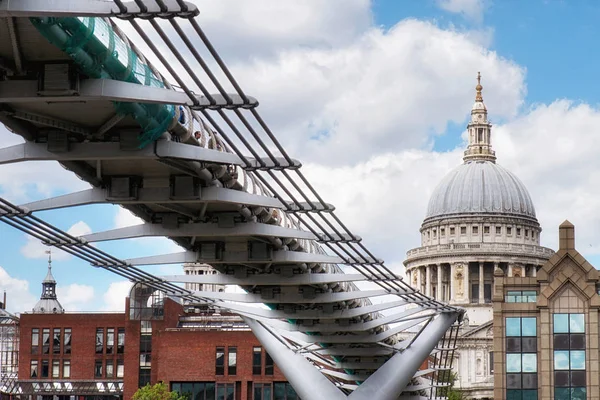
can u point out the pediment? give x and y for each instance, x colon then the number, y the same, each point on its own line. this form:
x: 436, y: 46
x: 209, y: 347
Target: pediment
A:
x: 569, y: 262
x: 483, y: 331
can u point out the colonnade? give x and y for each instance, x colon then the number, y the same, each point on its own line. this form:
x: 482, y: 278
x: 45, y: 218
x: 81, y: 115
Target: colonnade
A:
x: 463, y: 281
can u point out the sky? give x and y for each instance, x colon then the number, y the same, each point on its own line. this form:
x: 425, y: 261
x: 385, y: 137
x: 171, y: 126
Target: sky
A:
x: 373, y: 97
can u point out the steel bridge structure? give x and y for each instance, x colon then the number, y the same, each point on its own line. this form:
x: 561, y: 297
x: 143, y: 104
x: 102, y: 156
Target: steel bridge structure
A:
x: 181, y: 145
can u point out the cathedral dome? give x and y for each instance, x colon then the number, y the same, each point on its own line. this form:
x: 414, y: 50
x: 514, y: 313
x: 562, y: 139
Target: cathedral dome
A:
x: 480, y: 187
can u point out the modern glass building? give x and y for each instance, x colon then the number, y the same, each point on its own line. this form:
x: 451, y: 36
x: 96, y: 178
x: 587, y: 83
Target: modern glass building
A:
x: 546, y: 329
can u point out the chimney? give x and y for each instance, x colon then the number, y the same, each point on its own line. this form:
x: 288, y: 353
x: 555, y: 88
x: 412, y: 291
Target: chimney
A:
x: 566, y: 237
x: 4, y: 302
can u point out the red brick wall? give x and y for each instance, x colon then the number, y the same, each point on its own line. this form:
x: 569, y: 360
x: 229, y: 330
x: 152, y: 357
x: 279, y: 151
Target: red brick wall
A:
x: 177, y: 355
x: 83, y: 340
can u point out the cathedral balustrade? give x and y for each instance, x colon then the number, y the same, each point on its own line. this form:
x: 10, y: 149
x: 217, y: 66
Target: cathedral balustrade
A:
x: 457, y: 248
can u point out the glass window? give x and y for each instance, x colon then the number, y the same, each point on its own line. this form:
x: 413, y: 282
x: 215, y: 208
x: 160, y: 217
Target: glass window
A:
x: 268, y: 364
x: 121, y: 341
x: 256, y: 360
x: 56, y: 341
x: 529, y: 362
x: 55, y: 368
x: 99, y: 340
x: 225, y: 391
x: 561, y: 359
x: 98, y: 369
x: 498, y: 230
x: 35, y: 340
x: 45, y: 369
x: 486, y: 229
x: 577, y: 359
x: 513, y: 326
x: 463, y: 230
x: 120, y: 369
x: 146, y: 343
x: 452, y: 231
x: 110, y: 340
x: 475, y: 230
x: 66, y: 369
x: 34, y: 369
x: 144, y: 377
x: 232, y: 361
x: 513, y: 362
x: 110, y: 372
x: 528, y: 327
x: 262, y: 391
x: 508, y: 230
x: 220, y: 361
x: 45, y: 341
x: 67, y: 341
x: 576, y: 323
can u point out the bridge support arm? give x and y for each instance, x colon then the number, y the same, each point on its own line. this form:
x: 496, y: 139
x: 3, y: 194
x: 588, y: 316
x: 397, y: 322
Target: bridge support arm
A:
x: 388, y: 382
x: 307, y: 381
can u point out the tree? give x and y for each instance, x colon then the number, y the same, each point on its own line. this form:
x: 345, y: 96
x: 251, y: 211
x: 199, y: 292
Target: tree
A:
x: 452, y: 393
x: 158, y: 391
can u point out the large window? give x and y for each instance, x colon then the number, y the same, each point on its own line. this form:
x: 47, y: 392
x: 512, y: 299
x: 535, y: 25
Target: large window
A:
x: 232, y: 361
x: 110, y: 372
x: 35, y: 341
x: 45, y: 369
x: 45, y: 341
x: 521, y: 296
x: 521, y: 358
x: 55, y: 369
x: 110, y: 340
x: 98, y: 369
x: 225, y: 391
x: 144, y: 377
x: 569, y: 357
x: 56, y: 341
x: 34, y: 373
x: 66, y: 369
x: 195, y: 390
x: 262, y: 391
x: 220, y: 361
x: 99, y: 340
x: 121, y: 341
x: 120, y: 369
x: 268, y: 364
x: 67, y: 341
x: 256, y: 361
x: 284, y: 391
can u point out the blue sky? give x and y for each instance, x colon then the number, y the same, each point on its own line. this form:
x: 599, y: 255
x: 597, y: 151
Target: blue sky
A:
x: 552, y: 41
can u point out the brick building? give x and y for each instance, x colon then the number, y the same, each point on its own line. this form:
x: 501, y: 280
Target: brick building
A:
x: 102, y: 356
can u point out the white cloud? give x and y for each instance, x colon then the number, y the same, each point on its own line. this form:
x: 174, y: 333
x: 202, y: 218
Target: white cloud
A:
x: 21, y: 182
x: 125, y: 218
x: 385, y: 92
x: 35, y: 249
x: 75, y: 297
x: 114, y: 297
x: 18, y: 296
x: 470, y: 9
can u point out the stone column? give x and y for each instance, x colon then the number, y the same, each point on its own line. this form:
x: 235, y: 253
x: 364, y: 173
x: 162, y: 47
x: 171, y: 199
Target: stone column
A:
x: 428, y: 280
x: 439, y: 283
x: 452, y: 287
x: 534, y: 272
x: 417, y: 271
x: 481, y: 299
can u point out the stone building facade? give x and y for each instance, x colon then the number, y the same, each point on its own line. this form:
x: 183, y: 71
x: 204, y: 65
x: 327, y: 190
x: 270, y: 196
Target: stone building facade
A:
x: 546, y: 329
x: 480, y: 218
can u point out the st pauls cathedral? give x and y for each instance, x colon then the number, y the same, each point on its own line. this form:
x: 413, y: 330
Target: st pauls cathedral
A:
x: 480, y: 223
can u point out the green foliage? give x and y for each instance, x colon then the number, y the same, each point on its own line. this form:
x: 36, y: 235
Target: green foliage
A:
x: 453, y: 393
x: 158, y: 391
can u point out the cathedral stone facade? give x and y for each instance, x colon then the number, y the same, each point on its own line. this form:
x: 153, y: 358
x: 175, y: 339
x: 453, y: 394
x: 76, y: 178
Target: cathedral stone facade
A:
x: 480, y: 219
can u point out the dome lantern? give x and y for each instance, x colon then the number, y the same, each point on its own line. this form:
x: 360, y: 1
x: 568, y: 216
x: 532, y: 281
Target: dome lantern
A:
x: 479, y: 130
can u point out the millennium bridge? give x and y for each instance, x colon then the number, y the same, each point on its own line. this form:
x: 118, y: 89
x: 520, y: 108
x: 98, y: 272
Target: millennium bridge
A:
x: 193, y: 158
